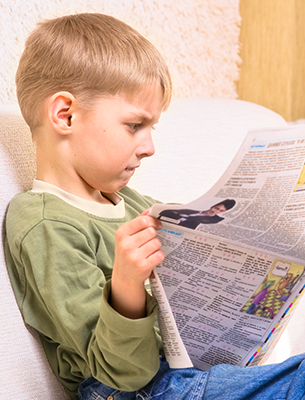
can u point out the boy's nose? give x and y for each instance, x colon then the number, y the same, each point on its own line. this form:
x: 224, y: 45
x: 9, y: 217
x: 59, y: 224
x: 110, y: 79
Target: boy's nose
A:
x: 147, y: 149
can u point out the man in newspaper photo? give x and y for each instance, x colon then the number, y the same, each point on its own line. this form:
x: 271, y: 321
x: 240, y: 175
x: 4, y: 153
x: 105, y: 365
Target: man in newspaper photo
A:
x: 192, y: 218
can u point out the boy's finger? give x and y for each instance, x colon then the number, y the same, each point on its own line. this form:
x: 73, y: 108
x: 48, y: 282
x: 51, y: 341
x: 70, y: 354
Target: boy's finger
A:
x: 138, y: 241
x: 140, y: 223
x: 149, y: 248
x: 145, y: 212
x: 150, y: 221
x: 154, y: 259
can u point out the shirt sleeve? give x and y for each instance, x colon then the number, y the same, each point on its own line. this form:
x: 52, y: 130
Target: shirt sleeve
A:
x: 65, y: 298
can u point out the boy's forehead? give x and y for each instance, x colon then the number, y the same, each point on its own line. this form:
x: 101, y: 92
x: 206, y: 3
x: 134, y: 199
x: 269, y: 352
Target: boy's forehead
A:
x: 145, y: 101
x: 144, y: 90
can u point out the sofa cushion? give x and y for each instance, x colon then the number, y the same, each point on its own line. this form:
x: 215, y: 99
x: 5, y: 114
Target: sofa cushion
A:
x: 25, y: 373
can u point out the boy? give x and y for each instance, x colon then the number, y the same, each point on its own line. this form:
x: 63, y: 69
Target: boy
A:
x: 80, y: 244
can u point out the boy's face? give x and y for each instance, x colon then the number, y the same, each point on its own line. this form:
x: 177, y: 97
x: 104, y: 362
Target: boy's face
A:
x: 110, y: 141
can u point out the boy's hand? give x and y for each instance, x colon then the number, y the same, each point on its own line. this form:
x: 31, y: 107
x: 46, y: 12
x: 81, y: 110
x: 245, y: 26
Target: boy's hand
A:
x: 137, y: 253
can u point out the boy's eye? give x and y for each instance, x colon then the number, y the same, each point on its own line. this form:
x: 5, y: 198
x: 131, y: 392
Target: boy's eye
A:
x: 134, y: 127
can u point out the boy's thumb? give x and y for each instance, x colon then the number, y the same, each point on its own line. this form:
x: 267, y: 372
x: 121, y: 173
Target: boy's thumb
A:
x: 145, y: 212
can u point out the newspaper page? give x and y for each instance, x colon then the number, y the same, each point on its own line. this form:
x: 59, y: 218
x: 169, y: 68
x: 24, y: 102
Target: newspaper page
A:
x: 234, y: 258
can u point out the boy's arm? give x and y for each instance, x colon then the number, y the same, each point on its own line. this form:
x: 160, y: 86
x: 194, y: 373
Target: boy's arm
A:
x: 64, y: 296
x: 137, y: 253
x: 126, y: 370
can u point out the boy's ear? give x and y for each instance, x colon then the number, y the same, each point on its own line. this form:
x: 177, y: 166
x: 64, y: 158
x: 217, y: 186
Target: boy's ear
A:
x: 61, y: 108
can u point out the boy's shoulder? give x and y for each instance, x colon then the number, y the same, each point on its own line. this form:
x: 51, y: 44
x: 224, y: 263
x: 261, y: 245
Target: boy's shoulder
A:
x: 131, y: 196
x: 28, y: 209
x: 36, y: 205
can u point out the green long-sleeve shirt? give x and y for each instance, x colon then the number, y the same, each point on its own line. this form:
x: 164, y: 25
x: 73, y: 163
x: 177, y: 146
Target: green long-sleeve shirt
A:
x: 60, y: 260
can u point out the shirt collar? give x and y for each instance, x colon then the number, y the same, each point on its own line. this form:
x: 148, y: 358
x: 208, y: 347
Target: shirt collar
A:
x: 91, y: 207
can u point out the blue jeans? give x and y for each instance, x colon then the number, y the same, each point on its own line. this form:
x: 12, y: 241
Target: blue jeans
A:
x: 285, y: 381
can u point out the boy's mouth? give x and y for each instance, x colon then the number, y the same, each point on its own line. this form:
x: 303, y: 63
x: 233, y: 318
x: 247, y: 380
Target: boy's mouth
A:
x: 131, y: 169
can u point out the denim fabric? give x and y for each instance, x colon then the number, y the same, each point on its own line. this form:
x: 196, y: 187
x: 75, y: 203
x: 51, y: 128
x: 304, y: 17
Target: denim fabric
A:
x: 285, y: 381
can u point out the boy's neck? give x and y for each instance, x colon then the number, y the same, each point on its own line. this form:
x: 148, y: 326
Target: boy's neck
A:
x: 52, y: 168
x: 82, y: 191
x: 91, y: 207
x: 93, y: 195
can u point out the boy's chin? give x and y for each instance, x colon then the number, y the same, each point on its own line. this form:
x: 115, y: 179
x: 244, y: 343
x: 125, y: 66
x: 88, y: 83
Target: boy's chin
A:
x: 122, y: 186
x: 118, y: 187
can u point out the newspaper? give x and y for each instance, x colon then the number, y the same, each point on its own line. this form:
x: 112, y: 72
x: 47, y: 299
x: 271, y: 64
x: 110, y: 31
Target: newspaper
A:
x: 234, y: 258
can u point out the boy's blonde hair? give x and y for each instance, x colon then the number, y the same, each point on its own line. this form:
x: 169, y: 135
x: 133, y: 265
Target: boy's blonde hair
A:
x: 88, y: 55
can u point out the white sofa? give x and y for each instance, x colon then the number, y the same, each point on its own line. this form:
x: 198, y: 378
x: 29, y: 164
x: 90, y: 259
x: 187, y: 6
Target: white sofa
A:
x: 195, y: 141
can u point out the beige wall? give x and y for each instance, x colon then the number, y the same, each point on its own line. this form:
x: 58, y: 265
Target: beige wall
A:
x: 273, y: 52
x: 198, y: 38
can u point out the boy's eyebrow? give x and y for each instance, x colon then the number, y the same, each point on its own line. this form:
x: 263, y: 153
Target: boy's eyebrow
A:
x: 141, y: 115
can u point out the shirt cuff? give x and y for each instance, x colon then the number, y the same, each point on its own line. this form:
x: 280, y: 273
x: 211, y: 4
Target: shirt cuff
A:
x: 120, y: 324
